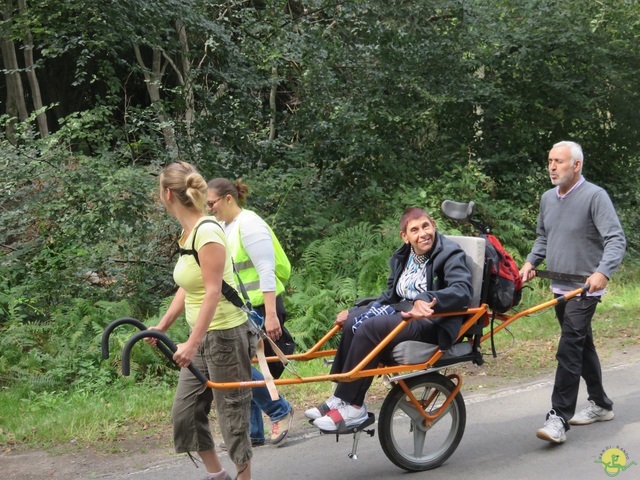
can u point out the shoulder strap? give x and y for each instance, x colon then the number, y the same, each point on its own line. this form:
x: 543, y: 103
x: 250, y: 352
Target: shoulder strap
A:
x: 228, y: 291
x: 192, y: 250
x: 232, y: 296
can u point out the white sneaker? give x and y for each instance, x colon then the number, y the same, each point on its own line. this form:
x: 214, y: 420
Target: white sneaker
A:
x: 591, y: 414
x: 345, y: 416
x: 553, y: 430
x: 316, y: 412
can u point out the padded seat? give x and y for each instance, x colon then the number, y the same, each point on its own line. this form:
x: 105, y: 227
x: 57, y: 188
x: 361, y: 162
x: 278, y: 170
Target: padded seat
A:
x: 412, y: 352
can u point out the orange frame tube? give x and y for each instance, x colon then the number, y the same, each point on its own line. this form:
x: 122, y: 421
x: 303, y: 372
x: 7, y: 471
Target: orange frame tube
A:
x: 474, y: 314
x: 431, y: 417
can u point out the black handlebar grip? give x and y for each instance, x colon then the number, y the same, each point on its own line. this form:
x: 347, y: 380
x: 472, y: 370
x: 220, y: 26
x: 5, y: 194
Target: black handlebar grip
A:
x: 167, y: 347
x: 128, y: 321
x: 116, y: 323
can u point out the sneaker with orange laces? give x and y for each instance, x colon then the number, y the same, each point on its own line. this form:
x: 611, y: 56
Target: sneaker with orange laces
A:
x: 280, y: 429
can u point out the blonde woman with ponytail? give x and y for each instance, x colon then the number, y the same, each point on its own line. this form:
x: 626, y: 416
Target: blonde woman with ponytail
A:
x: 219, y: 343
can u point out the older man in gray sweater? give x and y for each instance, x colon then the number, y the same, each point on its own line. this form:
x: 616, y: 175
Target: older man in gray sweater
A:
x: 578, y: 233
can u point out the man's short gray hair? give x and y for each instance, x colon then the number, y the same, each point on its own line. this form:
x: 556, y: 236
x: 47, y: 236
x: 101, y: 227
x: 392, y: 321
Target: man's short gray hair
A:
x: 576, y: 152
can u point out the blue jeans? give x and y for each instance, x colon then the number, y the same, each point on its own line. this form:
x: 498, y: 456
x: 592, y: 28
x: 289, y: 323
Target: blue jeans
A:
x: 261, y: 402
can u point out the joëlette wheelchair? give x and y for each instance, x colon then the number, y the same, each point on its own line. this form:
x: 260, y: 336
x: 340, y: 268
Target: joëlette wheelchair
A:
x: 423, y: 417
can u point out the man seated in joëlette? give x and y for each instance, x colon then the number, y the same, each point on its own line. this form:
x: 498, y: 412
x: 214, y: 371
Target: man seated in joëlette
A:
x: 430, y: 273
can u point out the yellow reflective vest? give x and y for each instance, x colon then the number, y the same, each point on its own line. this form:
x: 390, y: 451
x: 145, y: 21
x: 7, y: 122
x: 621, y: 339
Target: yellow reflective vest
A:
x: 246, y: 270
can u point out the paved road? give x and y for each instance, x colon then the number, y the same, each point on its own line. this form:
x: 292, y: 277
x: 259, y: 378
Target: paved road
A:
x: 499, y: 443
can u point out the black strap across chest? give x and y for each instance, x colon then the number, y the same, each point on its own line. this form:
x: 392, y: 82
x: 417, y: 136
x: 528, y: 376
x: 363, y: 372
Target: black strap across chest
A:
x: 228, y: 291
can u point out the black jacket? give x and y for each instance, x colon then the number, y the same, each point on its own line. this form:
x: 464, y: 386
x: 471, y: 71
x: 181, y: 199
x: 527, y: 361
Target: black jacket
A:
x: 448, y: 281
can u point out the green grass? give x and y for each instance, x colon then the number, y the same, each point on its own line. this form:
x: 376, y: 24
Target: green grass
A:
x: 529, y: 347
x: 307, y: 394
x: 79, y: 418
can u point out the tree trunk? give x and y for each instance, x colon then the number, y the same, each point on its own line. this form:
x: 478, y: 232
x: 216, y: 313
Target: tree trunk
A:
x: 16, y: 106
x: 41, y: 118
x: 272, y: 103
x: 153, y: 78
x: 189, y: 114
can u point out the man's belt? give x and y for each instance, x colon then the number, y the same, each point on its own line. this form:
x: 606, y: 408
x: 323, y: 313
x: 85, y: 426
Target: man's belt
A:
x: 565, y: 277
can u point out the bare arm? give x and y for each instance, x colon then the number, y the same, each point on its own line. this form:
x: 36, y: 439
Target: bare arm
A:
x: 212, y: 260
x: 173, y: 312
x: 271, y: 321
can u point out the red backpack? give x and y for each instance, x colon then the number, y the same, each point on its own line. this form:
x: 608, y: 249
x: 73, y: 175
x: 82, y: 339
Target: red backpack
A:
x: 505, y: 284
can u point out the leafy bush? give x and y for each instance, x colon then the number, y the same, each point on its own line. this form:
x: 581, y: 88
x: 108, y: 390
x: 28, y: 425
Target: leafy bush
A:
x: 93, y: 230
x: 65, y: 351
x: 332, y: 273
x: 339, y: 119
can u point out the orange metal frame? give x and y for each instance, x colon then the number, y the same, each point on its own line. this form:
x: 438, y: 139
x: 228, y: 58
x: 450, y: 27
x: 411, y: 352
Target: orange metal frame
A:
x: 473, y: 316
x: 421, y: 406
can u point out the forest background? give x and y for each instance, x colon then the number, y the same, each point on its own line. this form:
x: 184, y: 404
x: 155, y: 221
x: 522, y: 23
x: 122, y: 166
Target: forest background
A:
x: 338, y: 114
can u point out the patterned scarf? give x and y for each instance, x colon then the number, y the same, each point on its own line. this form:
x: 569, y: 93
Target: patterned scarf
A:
x: 413, y: 279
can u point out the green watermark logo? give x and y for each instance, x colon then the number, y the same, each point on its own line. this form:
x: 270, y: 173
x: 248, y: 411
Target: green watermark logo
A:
x: 615, y: 460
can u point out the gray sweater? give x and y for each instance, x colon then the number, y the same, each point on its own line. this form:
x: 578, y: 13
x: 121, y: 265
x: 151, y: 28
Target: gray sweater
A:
x: 579, y: 234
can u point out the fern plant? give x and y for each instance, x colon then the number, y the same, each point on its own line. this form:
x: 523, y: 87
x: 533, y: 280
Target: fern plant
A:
x: 332, y: 274
x: 65, y: 351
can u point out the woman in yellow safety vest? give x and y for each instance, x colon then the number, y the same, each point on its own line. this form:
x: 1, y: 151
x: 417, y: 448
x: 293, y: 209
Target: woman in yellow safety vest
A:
x: 262, y: 267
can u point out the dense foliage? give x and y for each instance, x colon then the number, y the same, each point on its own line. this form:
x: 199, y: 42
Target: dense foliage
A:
x: 338, y: 115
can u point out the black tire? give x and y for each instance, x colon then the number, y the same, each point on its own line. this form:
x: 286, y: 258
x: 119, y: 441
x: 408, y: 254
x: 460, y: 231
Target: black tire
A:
x: 404, y: 439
